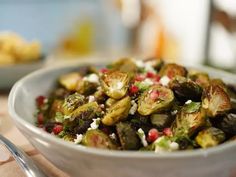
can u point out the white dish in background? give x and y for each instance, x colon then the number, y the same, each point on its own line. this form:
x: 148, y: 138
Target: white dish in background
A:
x: 82, y: 161
x: 10, y: 74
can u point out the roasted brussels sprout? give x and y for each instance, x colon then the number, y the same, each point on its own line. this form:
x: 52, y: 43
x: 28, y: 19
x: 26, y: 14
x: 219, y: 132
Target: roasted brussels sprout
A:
x: 124, y: 65
x: 88, y: 111
x: 127, y: 136
x: 138, y: 121
x: 68, y: 138
x: 117, y: 112
x: 96, y: 138
x: 161, y: 121
x: 210, y: 137
x: 188, y: 120
x: 227, y: 123
x: 110, y: 102
x: 171, y: 70
x: 100, y: 96
x: 155, y: 99
x: 215, y: 101
x: 220, y: 83
x: 156, y: 63
x: 70, y: 80
x: 56, y: 107
x: 72, y: 102
x: 86, y: 88
x: 185, y: 89
x: 200, y: 78
x: 115, y: 84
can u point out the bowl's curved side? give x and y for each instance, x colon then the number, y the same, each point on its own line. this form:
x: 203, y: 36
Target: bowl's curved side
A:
x: 82, y: 161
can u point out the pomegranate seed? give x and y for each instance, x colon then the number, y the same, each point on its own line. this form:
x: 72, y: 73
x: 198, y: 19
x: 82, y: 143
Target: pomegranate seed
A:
x: 57, y: 129
x: 104, y: 70
x: 150, y: 75
x: 40, y: 100
x: 154, y: 94
x: 40, y: 118
x: 139, y: 78
x: 157, y: 78
x: 153, y: 134
x: 167, y: 132
x: 133, y: 89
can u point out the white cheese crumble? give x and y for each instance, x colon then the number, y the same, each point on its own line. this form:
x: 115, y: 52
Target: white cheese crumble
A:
x: 91, y: 98
x: 142, y: 137
x: 95, y: 123
x: 113, y: 136
x: 78, y: 138
x: 174, y: 146
x: 92, y: 78
x: 133, y: 107
x: 174, y: 112
x: 165, y: 80
x: 148, y: 67
x: 147, y: 82
x: 139, y: 63
x: 162, y: 144
x: 188, y: 102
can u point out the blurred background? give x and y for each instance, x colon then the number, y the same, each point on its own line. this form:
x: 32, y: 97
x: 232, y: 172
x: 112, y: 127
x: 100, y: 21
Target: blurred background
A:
x: 187, y: 31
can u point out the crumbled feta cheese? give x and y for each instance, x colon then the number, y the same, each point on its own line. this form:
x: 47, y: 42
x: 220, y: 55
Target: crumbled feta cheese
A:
x: 91, y: 98
x: 148, y: 67
x: 147, y: 82
x: 113, y: 136
x: 142, y: 137
x: 78, y: 138
x: 139, y: 63
x: 133, y: 107
x: 165, y: 80
x: 95, y: 123
x: 102, y: 106
x: 188, y: 102
x: 174, y: 146
x: 174, y: 112
x: 92, y: 78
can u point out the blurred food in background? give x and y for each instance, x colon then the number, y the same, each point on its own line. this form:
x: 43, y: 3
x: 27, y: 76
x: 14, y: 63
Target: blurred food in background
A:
x: 15, y: 49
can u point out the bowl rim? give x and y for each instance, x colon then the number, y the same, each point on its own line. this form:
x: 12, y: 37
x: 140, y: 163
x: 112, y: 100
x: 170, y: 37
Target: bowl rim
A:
x: 21, y: 123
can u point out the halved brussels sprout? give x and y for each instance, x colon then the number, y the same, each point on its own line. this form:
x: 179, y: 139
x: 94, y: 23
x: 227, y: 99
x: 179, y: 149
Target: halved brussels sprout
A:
x: 155, y: 99
x: 188, y: 120
x: 127, y: 136
x: 72, y: 102
x: 161, y: 121
x: 86, y: 88
x: 219, y: 83
x: 115, y: 84
x: 86, y: 111
x: 200, y: 78
x: 68, y: 138
x: 215, y: 101
x: 70, y: 80
x: 117, y: 112
x: 210, y: 137
x: 228, y: 124
x: 185, y: 89
x: 56, y: 106
x: 100, y: 96
x: 124, y: 65
x: 171, y: 70
x: 110, y: 102
x: 96, y: 138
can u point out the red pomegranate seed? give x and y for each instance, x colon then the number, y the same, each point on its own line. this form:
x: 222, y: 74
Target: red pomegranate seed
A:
x: 40, y: 118
x: 153, y: 134
x: 139, y: 78
x: 154, y: 94
x: 104, y: 70
x: 57, y: 129
x: 133, y: 89
x: 157, y: 78
x: 150, y: 75
x: 167, y: 132
x: 40, y: 100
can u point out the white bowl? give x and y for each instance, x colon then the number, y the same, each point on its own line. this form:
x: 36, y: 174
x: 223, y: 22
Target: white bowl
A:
x: 82, y: 161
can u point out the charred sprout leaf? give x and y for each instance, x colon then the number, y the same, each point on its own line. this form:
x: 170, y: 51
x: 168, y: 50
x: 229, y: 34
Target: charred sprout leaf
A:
x: 86, y: 111
x: 124, y: 65
x: 72, y: 102
x: 155, y: 99
x: 70, y: 80
x: 215, y: 101
x: 110, y: 102
x: 200, y: 78
x: 188, y: 120
x: 220, y: 83
x: 98, y: 139
x: 117, y: 112
x: 86, y: 88
x: 161, y: 121
x: 186, y: 89
x: 228, y: 124
x: 210, y: 137
x: 172, y: 70
x: 115, y: 84
x: 127, y: 136
x: 139, y: 121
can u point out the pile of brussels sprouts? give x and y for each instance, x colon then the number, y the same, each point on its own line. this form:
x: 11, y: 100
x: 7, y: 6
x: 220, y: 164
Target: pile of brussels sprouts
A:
x: 143, y: 105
